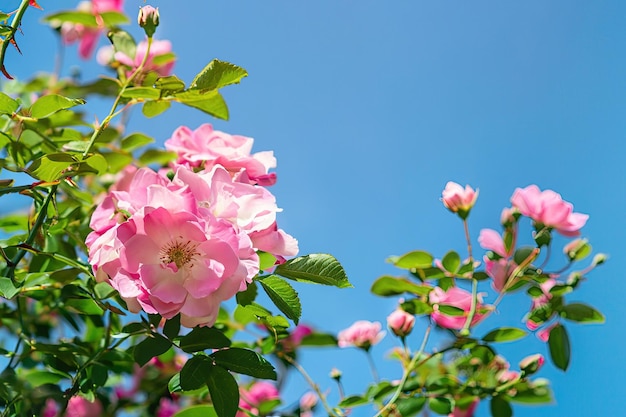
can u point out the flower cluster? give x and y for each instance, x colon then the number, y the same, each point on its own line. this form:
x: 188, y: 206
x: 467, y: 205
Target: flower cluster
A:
x: 186, y: 244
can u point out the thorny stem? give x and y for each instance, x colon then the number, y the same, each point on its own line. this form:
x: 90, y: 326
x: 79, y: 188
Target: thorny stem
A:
x: 112, y: 113
x: 15, y: 24
x: 407, y: 372
x: 313, y: 385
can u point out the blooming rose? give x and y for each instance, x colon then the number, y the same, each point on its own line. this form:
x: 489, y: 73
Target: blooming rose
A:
x: 257, y: 394
x: 459, y: 200
x: 400, y: 322
x: 362, y: 334
x: 87, y: 37
x: 206, y: 147
x: 548, y: 208
x: 455, y: 297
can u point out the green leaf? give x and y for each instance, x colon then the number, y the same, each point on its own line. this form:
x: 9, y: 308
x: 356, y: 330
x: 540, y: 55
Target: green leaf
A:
x: 201, y: 338
x: 410, y: 406
x: 94, y: 163
x: 7, y: 104
x: 316, y: 268
x: 266, y: 260
x: 218, y: 74
x: 386, y: 286
x: 248, y: 296
x: 283, y: 296
x: 153, y: 108
x: 117, y: 160
x: 450, y: 310
x: 559, y: 347
x: 49, y: 104
x: 112, y: 18
x: 51, y: 167
x: 413, y: 260
x: 319, y: 339
x: 172, y: 327
x: 197, y: 411
x: 146, y: 93
x: 500, y: 407
x: 210, y: 102
x: 123, y: 42
x: 7, y: 289
x: 522, y: 254
x: 150, y: 347
x: 451, y: 262
x: 504, y: 334
x: 37, y: 378
x: 224, y: 391
x: 417, y: 307
x: 83, y: 306
x: 195, y: 373
x: 74, y: 16
x: 581, y: 313
x: 156, y: 156
x: 353, y: 401
x: 134, y: 141
x: 244, y: 361
x: 170, y: 84
x: 441, y: 405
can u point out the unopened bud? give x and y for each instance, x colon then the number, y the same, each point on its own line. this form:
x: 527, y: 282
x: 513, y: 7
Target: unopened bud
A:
x: 148, y: 19
x: 531, y: 364
x: 335, y: 374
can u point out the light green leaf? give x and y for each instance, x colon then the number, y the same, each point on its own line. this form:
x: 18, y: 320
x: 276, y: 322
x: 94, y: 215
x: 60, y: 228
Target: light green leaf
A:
x: 441, y: 405
x: 504, y: 334
x: 49, y: 104
x: 156, y: 156
x: 7, y: 289
x: 413, y: 260
x: 7, y: 104
x: 153, y: 108
x: 170, y: 84
x: 51, y: 167
x: 83, y: 306
x: 123, y: 42
x: 388, y: 286
x: 451, y: 261
x: 353, y: 401
x: 113, y: 18
x: 283, y: 296
x: 316, y: 268
x: 210, y: 102
x: 218, y: 74
x: 197, y: 411
x: 74, y: 16
x: 244, y: 361
x: 146, y: 93
x: 135, y: 140
x: 582, y: 313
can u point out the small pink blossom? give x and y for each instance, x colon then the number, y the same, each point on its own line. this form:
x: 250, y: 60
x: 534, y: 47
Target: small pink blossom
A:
x: 362, y: 334
x: 167, y: 408
x: 531, y: 364
x: 308, y: 401
x: 492, y: 240
x: 544, y: 334
x: 206, y: 147
x: 157, y: 49
x: 549, y: 209
x: 50, y: 409
x: 257, y: 394
x: 468, y: 412
x: 400, y: 322
x: 455, y: 297
x: 87, y: 37
x: 500, y: 271
x: 81, y: 407
x: 291, y: 342
x: 458, y: 199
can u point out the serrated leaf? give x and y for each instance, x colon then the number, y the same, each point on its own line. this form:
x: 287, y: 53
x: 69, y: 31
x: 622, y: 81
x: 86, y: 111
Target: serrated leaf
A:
x: 504, y: 334
x: 150, y: 347
x: 224, y: 391
x: 218, y: 74
x: 170, y: 84
x: 413, y: 260
x: 134, y: 141
x: 194, y: 373
x: 123, y: 42
x: 201, y: 338
x: 559, y: 345
x: 582, y: 313
x: 283, y: 296
x: 386, y: 286
x: 51, y: 167
x: 153, y: 108
x: 7, y: 104
x: 210, y: 102
x: 316, y: 268
x: 244, y: 361
x: 49, y: 104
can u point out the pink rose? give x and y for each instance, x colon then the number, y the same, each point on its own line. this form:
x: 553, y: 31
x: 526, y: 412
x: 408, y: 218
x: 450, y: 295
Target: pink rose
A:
x: 458, y: 199
x: 81, y: 407
x: 500, y: 271
x: 157, y: 49
x: 400, y: 322
x: 167, y: 408
x: 291, y: 342
x: 362, y: 334
x: 455, y: 297
x: 87, y: 37
x: 205, y: 147
x: 548, y: 209
x: 257, y: 394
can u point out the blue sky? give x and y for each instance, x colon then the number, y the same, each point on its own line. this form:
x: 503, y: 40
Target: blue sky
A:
x: 371, y: 107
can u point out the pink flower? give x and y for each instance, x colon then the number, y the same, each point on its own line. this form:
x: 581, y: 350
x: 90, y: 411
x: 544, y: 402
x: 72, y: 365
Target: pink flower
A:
x: 400, y: 322
x: 50, y: 408
x: 455, y: 297
x: 531, y: 364
x: 459, y: 200
x: 500, y: 270
x: 308, y: 401
x: 157, y: 49
x: 167, y: 408
x: 548, y: 209
x: 539, y: 302
x: 205, y: 147
x: 544, y: 334
x: 468, y: 412
x: 257, y: 394
x: 87, y: 37
x: 492, y: 240
x: 81, y: 407
x: 294, y: 340
x: 362, y: 334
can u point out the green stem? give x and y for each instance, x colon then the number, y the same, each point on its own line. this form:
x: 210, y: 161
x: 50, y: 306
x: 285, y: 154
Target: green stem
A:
x: 465, y: 330
x: 15, y: 24
x: 370, y: 360
x: 468, y: 240
x: 112, y: 113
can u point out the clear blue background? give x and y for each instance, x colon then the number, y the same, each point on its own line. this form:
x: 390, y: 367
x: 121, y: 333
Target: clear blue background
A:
x: 372, y: 106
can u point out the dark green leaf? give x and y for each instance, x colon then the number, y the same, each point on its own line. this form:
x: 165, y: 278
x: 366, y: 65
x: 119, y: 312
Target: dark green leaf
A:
x: 248, y: 296
x: 172, y: 327
x: 388, y: 286
x: 504, y: 334
x: 441, y: 405
x: 201, y: 338
x: 522, y: 254
x: 316, y: 268
x: 451, y: 262
x: 224, y: 391
x: 410, y: 406
x: 417, y: 307
x: 582, y: 313
x: 319, y: 339
x: 244, y: 361
x: 218, y: 74
x: 195, y: 373
x: 151, y: 346
x: 413, y: 260
x: 283, y: 296
x: 153, y: 108
x: 52, y: 103
x: 500, y: 407
x: 559, y: 347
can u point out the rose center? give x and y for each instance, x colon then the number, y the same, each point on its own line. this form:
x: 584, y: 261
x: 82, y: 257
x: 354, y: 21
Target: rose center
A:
x: 179, y: 252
